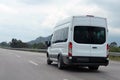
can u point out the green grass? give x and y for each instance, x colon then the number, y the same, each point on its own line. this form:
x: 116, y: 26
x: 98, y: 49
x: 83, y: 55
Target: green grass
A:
x: 114, y: 49
x: 114, y: 58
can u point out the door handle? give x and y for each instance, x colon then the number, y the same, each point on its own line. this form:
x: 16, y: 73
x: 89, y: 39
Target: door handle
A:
x: 94, y: 47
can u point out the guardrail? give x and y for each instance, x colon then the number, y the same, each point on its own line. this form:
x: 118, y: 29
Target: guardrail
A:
x: 28, y: 49
x: 45, y: 50
x: 114, y: 54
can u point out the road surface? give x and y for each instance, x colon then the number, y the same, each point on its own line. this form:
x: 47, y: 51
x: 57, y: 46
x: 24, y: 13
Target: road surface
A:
x: 22, y: 65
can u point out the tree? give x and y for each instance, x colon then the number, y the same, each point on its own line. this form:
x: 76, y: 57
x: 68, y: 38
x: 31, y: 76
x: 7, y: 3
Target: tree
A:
x: 13, y: 43
x: 4, y: 44
x: 113, y: 44
x: 39, y: 46
x: 18, y: 44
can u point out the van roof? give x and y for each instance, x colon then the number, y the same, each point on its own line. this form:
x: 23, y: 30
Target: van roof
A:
x: 69, y: 19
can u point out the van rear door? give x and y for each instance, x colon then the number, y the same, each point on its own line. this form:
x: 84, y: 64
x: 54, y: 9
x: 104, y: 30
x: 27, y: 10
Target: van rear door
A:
x: 81, y: 46
x: 89, y: 41
x: 98, y: 38
x: 89, y: 37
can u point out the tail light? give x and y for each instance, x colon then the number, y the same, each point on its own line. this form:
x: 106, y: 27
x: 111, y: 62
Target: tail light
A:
x: 70, y: 49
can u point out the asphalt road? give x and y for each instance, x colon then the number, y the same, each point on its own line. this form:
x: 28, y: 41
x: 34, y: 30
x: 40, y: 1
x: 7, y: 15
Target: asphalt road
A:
x: 22, y: 65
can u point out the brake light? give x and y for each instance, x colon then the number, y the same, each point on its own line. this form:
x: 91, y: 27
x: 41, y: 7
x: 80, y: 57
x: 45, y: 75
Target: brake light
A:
x: 70, y: 49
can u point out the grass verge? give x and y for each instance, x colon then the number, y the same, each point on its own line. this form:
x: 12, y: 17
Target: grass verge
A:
x: 114, y: 58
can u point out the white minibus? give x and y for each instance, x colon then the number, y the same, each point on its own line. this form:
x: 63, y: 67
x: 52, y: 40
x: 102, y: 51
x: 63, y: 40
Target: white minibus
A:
x: 79, y: 41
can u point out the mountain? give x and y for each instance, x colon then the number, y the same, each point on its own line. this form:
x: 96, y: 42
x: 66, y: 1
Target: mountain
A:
x: 48, y: 38
x: 40, y: 40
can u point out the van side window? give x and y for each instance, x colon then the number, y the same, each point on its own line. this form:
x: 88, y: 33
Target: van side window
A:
x: 60, y: 35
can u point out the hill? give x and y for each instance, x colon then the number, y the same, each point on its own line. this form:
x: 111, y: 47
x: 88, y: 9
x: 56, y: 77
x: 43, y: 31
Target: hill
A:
x: 40, y: 40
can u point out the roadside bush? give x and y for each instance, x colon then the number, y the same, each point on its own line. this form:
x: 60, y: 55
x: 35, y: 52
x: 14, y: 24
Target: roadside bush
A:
x: 114, y: 49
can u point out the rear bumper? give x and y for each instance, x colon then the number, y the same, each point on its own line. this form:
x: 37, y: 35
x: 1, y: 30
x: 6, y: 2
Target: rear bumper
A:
x: 86, y: 61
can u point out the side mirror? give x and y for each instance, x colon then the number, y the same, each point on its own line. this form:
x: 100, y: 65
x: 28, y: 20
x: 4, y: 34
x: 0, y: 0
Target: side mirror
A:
x: 48, y: 43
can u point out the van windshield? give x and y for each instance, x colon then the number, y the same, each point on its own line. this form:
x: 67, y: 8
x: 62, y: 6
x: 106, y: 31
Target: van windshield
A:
x: 89, y: 35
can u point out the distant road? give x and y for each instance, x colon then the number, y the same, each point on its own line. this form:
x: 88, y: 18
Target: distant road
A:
x: 22, y: 65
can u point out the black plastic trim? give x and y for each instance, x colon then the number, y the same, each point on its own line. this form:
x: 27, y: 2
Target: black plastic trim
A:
x: 86, y: 61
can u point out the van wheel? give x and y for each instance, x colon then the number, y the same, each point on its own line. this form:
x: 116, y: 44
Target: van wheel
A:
x: 95, y: 68
x: 48, y: 60
x: 60, y: 63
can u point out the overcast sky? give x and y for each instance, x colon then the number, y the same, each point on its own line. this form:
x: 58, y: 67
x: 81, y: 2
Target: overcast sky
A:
x: 29, y: 19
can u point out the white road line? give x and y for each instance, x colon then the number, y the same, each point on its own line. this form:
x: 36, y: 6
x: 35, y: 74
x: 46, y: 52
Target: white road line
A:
x: 68, y: 79
x: 18, y: 56
x: 15, y: 55
x: 32, y: 62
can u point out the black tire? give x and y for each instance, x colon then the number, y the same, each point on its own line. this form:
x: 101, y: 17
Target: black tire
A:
x: 95, y: 68
x: 60, y: 63
x: 48, y: 60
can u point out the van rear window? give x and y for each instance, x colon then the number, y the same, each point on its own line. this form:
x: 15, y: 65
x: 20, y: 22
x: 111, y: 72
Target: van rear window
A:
x: 89, y: 35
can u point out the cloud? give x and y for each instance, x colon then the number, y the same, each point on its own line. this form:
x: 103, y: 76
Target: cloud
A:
x: 28, y: 19
x: 34, y: 2
x: 112, y: 7
x: 114, y: 31
x: 44, y: 2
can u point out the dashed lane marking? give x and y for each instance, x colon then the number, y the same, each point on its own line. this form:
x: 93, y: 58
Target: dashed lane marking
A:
x: 32, y: 62
x: 18, y: 56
